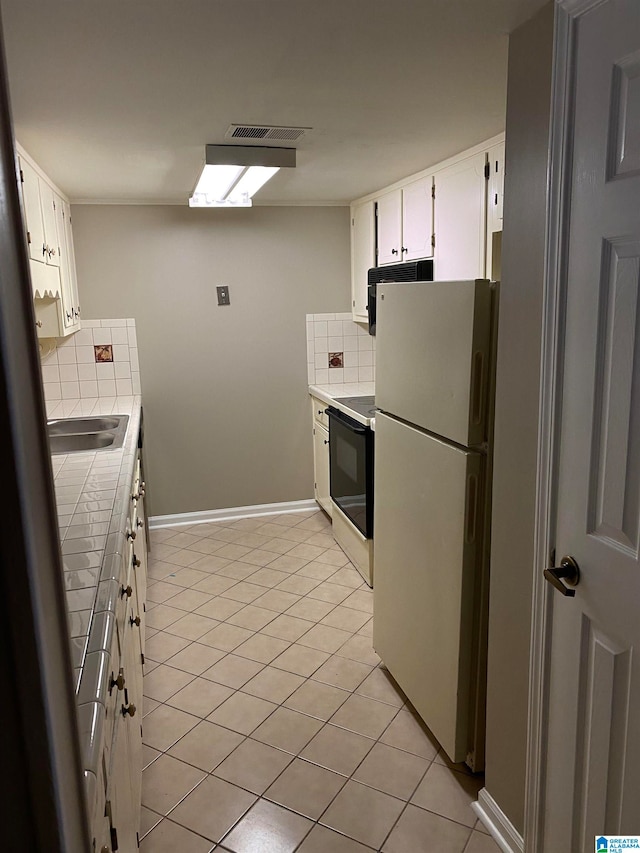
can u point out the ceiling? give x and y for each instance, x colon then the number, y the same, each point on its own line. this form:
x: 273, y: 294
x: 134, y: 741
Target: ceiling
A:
x: 116, y: 99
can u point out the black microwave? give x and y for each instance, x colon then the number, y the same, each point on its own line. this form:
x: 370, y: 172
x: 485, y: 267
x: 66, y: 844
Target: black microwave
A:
x: 397, y: 274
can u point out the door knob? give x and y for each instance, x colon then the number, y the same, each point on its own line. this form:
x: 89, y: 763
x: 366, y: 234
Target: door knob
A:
x: 569, y: 571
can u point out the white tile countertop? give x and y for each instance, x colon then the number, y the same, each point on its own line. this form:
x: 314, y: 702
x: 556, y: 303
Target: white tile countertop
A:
x: 92, y: 501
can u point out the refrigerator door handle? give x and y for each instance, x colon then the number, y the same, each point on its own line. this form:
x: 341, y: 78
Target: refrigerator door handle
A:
x: 472, y: 509
x: 477, y: 386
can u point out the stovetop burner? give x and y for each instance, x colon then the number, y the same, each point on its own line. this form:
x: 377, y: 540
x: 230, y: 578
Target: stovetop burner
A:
x: 363, y: 405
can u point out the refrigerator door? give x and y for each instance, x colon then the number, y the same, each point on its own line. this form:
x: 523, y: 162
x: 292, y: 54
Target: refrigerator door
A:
x: 428, y: 522
x: 432, y: 359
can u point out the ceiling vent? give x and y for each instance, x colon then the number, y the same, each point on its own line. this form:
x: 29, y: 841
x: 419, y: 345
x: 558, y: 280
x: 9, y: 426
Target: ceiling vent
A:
x: 266, y: 132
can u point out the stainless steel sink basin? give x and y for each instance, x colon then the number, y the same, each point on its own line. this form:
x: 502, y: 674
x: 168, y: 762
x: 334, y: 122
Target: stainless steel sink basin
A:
x: 69, y: 426
x: 74, y: 435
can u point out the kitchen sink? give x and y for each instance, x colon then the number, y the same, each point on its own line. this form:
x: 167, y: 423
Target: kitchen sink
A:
x: 70, y: 426
x: 74, y: 435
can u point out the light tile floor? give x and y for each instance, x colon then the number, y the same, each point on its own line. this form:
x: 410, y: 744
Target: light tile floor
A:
x: 270, y: 724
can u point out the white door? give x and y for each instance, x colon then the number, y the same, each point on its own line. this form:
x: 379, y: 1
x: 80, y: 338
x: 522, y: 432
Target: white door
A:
x: 390, y: 228
x: 363, y: 256
x: 33, y: 212
x: 427, y: 520
x: 321, y: 459
x: 432, y: 359
x: 593, y: 763
x: 460, y: 220
x: 417, y: 220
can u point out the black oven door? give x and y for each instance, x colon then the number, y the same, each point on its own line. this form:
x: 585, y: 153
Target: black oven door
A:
x: 351, y: 469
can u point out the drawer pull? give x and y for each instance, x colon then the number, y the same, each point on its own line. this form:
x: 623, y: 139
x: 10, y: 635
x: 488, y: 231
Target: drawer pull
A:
x: 137, y: 562
x: 131, y: 534
x: 135, y: 621
x: 128, y: 591
x: 129, y: 709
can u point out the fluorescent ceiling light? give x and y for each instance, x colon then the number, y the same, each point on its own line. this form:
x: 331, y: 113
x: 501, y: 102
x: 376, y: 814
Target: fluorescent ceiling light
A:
x: 232, y: 174
x: 216, y: 181
x: 250, y: 182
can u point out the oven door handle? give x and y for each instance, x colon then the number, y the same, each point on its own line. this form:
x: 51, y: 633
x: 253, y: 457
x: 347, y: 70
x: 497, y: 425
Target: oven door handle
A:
x: 352, y: 425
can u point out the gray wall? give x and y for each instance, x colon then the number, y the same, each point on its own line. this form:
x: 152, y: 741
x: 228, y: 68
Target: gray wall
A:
x: 227, y: 417
x: 517, y: 396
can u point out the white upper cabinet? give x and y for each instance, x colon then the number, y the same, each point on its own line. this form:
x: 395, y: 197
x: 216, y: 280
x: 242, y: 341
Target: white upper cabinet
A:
x: 68, y: 278
x: 390, y: 228
x: 52, y: 265
x: 460, y: 220
x: 417, y: 219
x: 405, y: 223
x: 363, y: 256
x: 495, y: 195
x: 30, y: 184
x: 451, y: 212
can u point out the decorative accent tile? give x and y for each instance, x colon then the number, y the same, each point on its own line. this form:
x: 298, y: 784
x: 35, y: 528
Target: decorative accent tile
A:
x: 103, y: 352
x: 335, y: 359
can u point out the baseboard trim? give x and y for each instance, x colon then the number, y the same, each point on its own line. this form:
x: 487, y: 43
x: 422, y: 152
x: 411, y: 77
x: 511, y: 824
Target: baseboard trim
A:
x: 182, y: 519
x: 495, y: 820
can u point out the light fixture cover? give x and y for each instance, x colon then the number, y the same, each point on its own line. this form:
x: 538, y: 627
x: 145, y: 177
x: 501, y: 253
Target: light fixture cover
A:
x: 232, y: 174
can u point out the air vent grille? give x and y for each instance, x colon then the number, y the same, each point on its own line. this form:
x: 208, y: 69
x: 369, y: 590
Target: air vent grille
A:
x: 251, y: 131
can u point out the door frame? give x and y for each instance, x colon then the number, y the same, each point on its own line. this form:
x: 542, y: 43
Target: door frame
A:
x: 567, y: 13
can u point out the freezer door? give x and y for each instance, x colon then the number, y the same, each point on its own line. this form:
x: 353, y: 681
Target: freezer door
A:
x: 432, y: 358
x: 427, y: 519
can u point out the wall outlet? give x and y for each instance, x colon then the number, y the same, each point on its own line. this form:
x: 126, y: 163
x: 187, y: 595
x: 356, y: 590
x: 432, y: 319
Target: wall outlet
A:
x: 223, y: 295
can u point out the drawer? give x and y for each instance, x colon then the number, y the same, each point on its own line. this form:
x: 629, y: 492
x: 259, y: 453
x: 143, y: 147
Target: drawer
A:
x: 319, y: 412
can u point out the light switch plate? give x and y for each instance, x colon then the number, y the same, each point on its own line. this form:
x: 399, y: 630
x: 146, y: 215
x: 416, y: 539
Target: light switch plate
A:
x: 223, y: 295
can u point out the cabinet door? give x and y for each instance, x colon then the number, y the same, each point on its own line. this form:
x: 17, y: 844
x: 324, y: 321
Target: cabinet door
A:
x: 33, y: 212
x: 495, y: 195
x: 390, y: 228
x: 133, y: 724
x: 70, y: 308
x: 321, y: 469
x: 119, y: 794
x: 460, y: 220
x: 50, y: 220
x: 417, y: 220
x: 363, y: 256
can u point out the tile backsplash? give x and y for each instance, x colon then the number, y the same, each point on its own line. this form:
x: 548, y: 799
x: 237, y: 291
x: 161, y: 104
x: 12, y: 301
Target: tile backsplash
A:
x: 101, y: 360
x: 339, y: 350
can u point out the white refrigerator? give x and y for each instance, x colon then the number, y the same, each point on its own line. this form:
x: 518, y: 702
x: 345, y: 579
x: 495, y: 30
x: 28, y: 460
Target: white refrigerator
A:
x: 434, y: 392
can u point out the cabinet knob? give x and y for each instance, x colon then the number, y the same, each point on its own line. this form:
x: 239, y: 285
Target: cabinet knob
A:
x: 131, y: 534
x: 140, y: 522
x: 135, y: 621
x: 44, y: 249
x: 326, y: 441
x: 117, y: 682
x: 404, y: 249
x: 39, y: 323
x: 129, y: 709
x: 128, y: 591
x: 394, y: 251
x: 136, y: 562
x: 105, y: 849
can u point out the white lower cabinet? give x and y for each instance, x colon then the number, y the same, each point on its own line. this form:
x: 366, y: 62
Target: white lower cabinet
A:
x: 321, y: 455
x: 123, y: 746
